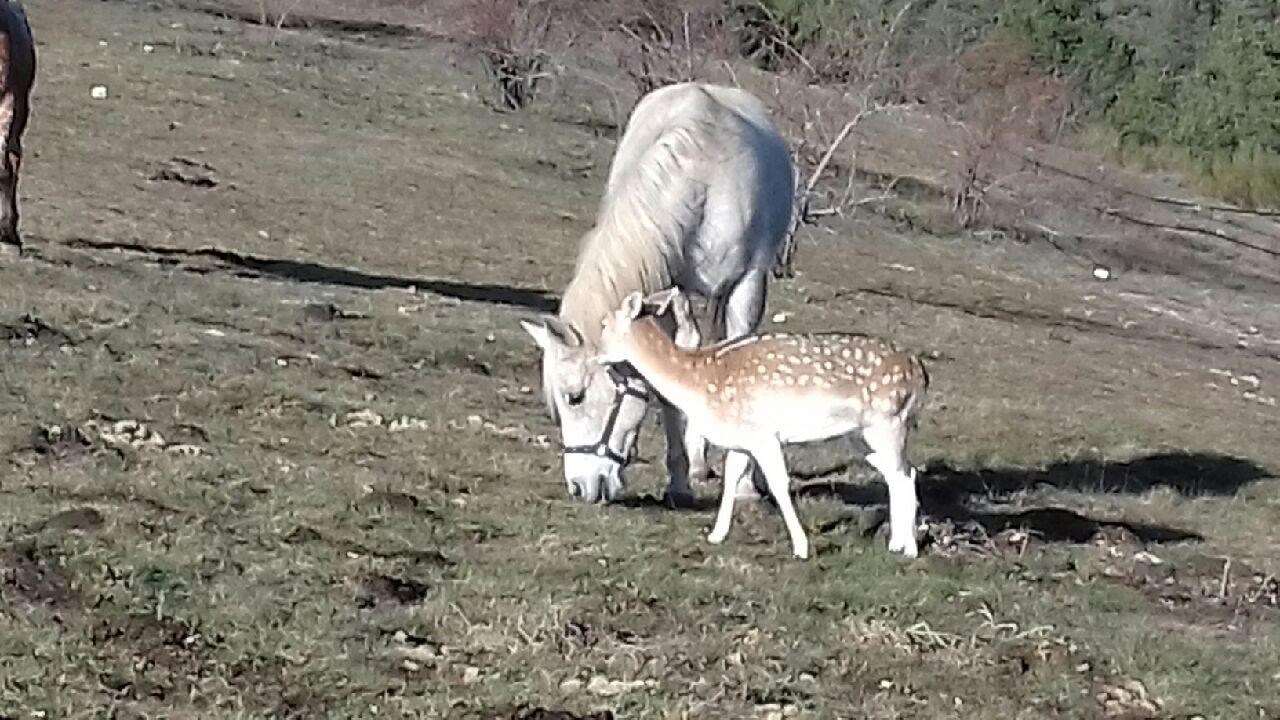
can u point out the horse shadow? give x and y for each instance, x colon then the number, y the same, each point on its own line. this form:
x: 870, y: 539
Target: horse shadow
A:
x: 300, y: 271
x: 948, y: 493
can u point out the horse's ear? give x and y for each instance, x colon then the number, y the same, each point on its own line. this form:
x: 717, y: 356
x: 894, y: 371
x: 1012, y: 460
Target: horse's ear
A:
x: 552, y: 333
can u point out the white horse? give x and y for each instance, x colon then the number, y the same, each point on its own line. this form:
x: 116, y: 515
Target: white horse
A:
x: 699, y: 197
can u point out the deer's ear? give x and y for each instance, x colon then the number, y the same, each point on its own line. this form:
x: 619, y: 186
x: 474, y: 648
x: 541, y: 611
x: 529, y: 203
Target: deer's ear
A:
x: 552, y: 333
x: 662, y: 300
x: 632, y: 304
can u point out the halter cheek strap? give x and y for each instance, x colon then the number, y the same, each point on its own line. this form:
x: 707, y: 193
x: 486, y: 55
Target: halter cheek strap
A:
x: 622, y: 389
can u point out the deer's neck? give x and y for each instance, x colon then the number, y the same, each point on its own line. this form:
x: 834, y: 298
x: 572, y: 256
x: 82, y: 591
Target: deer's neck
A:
x: 676, y: 374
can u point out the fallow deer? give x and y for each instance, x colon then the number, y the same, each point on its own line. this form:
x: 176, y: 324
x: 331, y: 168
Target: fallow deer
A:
x: 758, y: 393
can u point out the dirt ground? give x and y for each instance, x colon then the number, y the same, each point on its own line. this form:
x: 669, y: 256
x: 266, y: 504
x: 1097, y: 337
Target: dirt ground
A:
x: 272, y: 443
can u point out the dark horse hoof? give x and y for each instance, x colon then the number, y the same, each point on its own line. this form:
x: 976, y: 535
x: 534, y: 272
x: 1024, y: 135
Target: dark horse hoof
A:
x: 679, y: 501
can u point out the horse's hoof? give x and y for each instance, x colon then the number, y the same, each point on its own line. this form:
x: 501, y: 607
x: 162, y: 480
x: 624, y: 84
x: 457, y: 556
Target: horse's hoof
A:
x: 679, y: 500
x: 906, y: 547
x: 716, y: 538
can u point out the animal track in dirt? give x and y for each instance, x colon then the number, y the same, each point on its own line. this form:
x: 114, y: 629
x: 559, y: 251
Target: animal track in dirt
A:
x: 191, y: 173
x: 30, y: 331
x: 305, y: 535
x: 164, y: 658
x: 540, y: 713
x: 392, y: 501
x: 36, y: 573
x: 75, y: 519
x: 380, y: 589
x: 328, y: 312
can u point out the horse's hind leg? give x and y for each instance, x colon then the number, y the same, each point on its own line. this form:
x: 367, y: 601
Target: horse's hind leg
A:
x: 9, y: 162
x: 12, y: 119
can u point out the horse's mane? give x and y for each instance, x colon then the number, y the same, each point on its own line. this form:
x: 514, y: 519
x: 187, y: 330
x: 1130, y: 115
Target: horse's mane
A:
x: 646, y: 215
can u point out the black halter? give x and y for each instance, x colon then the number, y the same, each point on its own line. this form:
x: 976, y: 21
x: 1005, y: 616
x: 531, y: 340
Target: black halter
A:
x: 622, y: 389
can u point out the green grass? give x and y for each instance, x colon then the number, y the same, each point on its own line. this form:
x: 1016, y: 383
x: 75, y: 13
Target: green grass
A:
x: 1248, y: 177
x: 303, y: 567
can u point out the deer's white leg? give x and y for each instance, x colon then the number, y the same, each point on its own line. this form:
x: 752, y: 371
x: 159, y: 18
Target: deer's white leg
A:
x: 734, y: 463
x: 679, y: 466
x: 742, y: 310
x: 774, y: 465
x: 888, y: 447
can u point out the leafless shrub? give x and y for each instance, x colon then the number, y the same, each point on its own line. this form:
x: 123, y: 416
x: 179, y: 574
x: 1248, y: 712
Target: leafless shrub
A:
x: 275, y: 13
x: 667, y: 41
x: 767, y: 40
x: 1001, y: 101
x: 511, y: 38
x: 822, y: 154
x: 828, y: 89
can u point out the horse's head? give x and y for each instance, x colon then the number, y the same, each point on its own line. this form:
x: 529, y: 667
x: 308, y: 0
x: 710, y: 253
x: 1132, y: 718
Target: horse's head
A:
x: 599, y: 409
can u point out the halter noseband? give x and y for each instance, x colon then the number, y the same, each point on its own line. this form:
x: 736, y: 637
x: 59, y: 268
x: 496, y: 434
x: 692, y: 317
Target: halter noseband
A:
x: 622, y: 389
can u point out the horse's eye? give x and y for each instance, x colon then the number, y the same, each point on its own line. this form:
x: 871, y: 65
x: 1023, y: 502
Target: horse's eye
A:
x: 575, y: 398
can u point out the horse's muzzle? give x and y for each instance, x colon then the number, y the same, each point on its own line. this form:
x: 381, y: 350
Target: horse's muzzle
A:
x: 601, y: 488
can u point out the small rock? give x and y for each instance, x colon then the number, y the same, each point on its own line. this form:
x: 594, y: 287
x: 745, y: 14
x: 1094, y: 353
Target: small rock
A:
x: 600, y: 685
x: 98, y: 92
x: 1101, y: 272
x: 184, y: 450
x: 779, y: 317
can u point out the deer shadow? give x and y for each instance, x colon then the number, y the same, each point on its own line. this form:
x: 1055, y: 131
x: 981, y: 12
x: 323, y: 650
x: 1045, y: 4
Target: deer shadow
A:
x: 947, y: 492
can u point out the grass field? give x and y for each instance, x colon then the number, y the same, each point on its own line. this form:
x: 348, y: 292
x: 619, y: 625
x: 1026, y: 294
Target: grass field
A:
x: 273, y: 445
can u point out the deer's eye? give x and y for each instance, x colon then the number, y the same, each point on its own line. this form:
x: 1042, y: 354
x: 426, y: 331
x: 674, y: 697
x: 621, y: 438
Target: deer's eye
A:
x: 575, y: 398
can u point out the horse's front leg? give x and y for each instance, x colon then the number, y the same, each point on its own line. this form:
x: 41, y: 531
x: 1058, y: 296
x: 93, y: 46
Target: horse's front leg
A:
x: 686, y: 457
x: 686, y: 449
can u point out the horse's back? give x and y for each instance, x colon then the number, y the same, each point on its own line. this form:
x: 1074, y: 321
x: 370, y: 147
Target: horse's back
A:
x: 728, y: 114
x: 699, y: 194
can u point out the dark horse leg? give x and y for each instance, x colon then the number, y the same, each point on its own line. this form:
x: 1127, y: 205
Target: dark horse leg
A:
x: 17, y: 71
